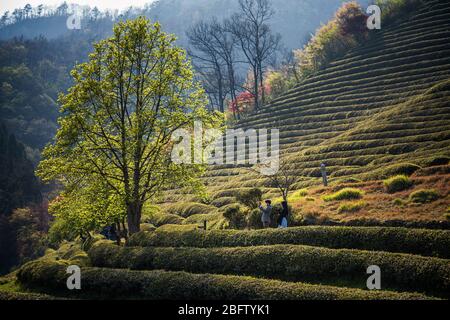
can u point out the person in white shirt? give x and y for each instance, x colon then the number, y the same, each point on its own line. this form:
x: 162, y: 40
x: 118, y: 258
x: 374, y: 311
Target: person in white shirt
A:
x: 266, y: 213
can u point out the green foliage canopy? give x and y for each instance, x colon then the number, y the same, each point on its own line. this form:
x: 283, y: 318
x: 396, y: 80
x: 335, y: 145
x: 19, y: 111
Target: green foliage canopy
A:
x: 112, y: 152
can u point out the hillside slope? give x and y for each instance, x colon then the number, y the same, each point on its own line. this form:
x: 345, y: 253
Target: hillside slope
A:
x: 382, y: 104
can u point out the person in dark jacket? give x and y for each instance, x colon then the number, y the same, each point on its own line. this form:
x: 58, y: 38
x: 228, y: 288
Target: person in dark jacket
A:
x: 283, y: 218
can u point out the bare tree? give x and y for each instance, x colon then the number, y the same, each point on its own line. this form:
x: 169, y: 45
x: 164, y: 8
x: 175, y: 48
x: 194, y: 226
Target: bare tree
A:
x: 225, y: 44
x: 4, y: 19
x: 62, y: 9
x: 256, y: 39
x: 207, y: 60
x: 214, y: 84
x: 18, y: 15
x: 269, y: 46
x: 282, y: 179
x: 28, y: 11
x: 40, y: 10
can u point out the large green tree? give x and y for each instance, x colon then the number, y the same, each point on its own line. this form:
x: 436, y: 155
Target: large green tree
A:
x: 135, y: 91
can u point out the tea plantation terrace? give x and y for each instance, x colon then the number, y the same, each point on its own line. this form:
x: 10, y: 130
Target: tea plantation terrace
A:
x: 298, y: 263
x: 383, y: 103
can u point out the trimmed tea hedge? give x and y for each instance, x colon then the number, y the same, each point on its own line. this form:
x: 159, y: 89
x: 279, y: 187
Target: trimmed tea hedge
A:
x: 14, y: 296
x: 285, y: 262
x: 163, y: 285
x: 161, y: 219
x: 187, y: 209
x: 415, y: 241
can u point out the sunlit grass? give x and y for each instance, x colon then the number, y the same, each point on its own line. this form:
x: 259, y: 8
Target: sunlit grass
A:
x: 424, y: 196
x: 397, y: 183
x: 351, y: 207
x: 344, y: 194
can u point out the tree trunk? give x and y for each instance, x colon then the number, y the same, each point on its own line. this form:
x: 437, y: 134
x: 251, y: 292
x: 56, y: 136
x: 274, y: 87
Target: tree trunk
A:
x: 232, y: 84
x: 263, y: 90
x: 118, y: 233
x: 220, y: 86
x: 221, y: 99
x: 256, y: 87
x: 125, y: 231
x: 134, y: 217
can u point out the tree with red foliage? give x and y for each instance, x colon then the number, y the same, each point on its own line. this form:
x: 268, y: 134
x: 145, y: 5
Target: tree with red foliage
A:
x: 244, y: 102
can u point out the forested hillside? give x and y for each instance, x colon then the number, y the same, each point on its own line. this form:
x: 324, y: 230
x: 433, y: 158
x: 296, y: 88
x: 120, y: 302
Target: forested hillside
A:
x: 35, y: 65
x: 18, y: 188
x: 295, y: 19
x: 18, y: 185
x: 32, y: 74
